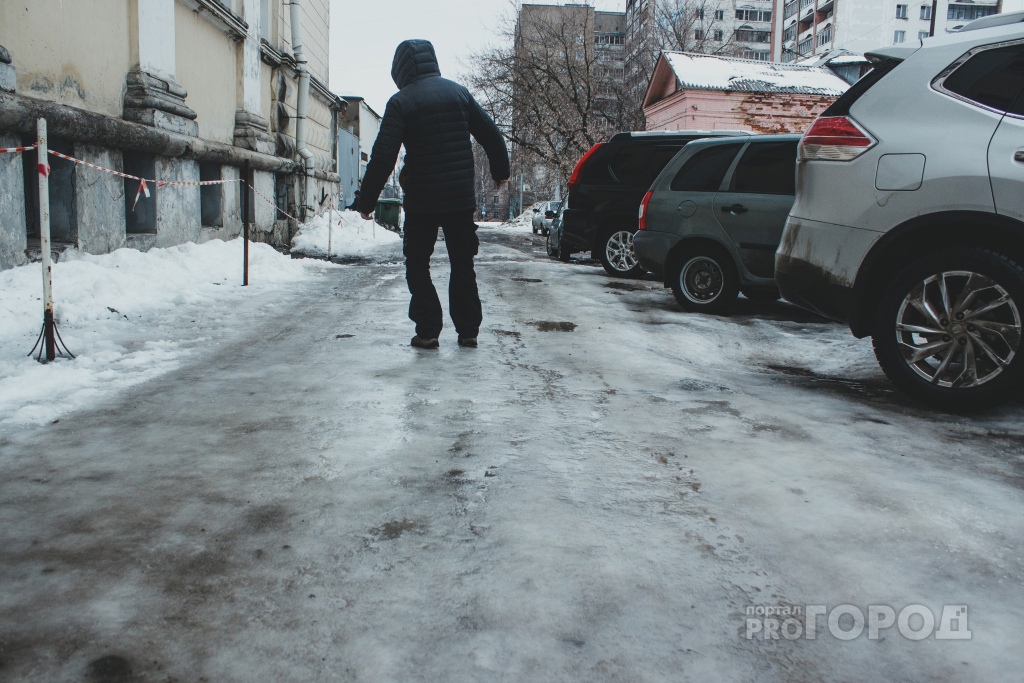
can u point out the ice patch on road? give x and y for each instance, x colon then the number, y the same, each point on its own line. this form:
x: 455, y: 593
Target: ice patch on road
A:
x: 349, y: 235
x: 129, y: 316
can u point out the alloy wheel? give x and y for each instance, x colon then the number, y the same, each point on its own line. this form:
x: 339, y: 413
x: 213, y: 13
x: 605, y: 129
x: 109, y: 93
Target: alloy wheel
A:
x: 958, y: 329
x: 619, y: 251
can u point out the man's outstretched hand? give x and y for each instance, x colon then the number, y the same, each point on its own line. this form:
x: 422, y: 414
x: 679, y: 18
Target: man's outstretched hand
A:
x: 366, y: 216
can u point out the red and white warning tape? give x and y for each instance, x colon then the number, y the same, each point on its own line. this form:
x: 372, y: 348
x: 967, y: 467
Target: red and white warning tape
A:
x: 15, y: 150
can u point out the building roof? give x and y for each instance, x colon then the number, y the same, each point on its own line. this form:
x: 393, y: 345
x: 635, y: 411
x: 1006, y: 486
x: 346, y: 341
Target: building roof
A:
x: 709, y: 72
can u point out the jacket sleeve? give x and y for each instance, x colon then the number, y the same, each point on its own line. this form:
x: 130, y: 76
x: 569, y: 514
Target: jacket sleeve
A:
x: 383, y: 157
x: 487, y: 134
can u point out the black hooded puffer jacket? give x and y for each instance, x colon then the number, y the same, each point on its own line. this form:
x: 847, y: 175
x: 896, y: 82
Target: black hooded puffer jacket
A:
x: 433, y: 117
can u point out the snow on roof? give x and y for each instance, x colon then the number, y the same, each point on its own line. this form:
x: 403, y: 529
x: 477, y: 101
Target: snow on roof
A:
x: 708, y: 72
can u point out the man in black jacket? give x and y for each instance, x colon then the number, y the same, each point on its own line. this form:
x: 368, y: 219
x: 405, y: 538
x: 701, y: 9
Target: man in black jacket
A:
x: 434, y: 118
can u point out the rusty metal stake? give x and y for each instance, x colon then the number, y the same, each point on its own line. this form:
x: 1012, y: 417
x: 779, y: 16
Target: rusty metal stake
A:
x: 246, y: 188
x: 49, y: 342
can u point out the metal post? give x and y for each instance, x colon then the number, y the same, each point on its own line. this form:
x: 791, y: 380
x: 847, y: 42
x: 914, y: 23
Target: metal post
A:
x: 330, y: 228
x: 43, y: 166
x: 246, y: 208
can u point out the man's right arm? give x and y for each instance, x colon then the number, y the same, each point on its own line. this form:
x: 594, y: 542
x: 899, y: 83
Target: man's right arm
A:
x: 483, y: 128
x: 383, y: 157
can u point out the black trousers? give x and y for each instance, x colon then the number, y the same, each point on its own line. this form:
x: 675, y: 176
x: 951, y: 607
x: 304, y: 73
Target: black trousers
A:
x: 463, y: 297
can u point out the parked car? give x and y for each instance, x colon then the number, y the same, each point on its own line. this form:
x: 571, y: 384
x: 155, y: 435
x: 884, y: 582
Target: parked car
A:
x: 556, y: 247
x: 909, y: 215
x: 712, y: 220
x: 606, y: 188
x: 542, y: 217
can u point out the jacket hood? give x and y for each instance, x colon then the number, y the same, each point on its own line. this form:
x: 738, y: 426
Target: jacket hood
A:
x: 414, y: 59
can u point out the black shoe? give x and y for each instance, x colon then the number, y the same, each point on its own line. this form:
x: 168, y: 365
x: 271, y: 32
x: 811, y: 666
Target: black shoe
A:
x: 468, y: 342
x: 425, y: 343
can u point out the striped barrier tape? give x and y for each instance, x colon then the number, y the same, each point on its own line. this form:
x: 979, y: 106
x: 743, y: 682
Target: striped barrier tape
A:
x: 15, y: 150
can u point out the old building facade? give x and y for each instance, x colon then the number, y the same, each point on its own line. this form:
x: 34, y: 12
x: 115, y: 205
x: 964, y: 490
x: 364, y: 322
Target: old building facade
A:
x: 705, y: 92
x: 168, y: 90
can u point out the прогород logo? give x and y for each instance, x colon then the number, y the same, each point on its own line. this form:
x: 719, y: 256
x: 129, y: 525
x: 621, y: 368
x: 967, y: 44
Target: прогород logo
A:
x: 848, y: 622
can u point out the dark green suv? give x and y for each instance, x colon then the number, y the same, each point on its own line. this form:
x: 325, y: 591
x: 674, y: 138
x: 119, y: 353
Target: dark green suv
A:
x: 712, y: 220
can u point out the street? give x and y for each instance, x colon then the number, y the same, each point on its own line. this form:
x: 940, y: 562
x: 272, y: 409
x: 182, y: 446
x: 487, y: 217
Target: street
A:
x: 597, y: 493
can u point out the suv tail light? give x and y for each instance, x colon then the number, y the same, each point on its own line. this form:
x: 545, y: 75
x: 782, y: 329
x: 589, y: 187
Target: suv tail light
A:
x: 574, y: 179
x: 835, y: 138
x: 643, y: 209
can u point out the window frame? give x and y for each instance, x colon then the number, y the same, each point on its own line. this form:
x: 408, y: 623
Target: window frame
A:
x: 938, y: 83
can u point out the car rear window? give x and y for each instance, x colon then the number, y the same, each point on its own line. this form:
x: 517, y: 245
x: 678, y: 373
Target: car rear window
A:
x: 767, y: 168
x: 705, y: 170
x: 629, y: 164
x: 992, y: 78
x: 841, y: 107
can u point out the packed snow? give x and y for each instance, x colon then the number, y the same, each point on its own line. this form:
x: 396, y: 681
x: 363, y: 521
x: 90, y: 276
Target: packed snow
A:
x: 128, y: 316
x: 709, y: 72
x: 348, y: 235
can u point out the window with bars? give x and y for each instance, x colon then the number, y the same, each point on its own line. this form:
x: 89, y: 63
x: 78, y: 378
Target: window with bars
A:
x: 969, y: 12
x: 753, y: 15
x: 749, y: 35
x: 825, y: 36
x: 790, y: 9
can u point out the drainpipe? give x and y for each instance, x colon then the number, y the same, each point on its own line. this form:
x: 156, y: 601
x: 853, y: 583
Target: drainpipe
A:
x: 302, y: 102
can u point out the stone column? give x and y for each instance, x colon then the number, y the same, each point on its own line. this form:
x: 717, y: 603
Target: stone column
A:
x: 251, y: 129
x: 8, y: 79
x: 153, y: 97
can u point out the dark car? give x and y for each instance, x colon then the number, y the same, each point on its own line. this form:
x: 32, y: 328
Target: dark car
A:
x: 607, y: 186
x: 555, y: 245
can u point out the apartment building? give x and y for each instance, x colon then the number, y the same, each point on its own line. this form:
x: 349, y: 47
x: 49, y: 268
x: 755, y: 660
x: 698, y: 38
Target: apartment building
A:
x: 737, y: 28
x: 804, y: 28
x: 175, y: 91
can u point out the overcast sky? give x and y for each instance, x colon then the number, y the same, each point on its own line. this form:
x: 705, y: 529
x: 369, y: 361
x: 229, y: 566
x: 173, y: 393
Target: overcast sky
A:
x: 365, y: 33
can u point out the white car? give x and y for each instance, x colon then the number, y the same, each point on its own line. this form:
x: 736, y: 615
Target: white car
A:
x: 908, y: 222
x: 542, y: 217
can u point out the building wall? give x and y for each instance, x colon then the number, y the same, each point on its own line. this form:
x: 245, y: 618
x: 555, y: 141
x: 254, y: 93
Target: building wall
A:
x: 369, y: 127
x: 207, y: 67
x: 75, y: 53
x: 720, y: 110
x: 12, y: 206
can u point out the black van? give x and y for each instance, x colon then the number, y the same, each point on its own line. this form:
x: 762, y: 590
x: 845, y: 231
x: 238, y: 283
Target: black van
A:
x: 607, y: 186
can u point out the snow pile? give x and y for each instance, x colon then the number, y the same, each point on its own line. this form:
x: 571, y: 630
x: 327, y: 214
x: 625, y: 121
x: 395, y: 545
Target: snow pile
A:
x: 350, y: 235
x: 128, y: 316
x: 707, y: 72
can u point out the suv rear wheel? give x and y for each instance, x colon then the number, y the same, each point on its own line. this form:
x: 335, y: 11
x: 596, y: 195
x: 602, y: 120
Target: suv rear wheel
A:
x: 948, y: 329
x: 551, y: 249
x: 617, y: 255
x: 705, y: 280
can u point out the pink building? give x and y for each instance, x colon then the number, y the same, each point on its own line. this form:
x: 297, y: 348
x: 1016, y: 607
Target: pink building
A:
x: 705, y: 92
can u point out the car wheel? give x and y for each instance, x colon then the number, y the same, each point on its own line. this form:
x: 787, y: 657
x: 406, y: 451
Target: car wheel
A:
x: 948, y: 329
x: 551, y: 249
x: 564, y: 251
x: 705, y: 280
x: 618, y: 257
x: 761, y: 296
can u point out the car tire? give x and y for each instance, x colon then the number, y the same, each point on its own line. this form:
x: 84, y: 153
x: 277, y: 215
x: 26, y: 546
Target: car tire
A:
x: 705, y: 280
x: 552, y: 251
x: 967, y: 306
x: 564, y: 251
x: 762, y: 296
x: 617, y: 255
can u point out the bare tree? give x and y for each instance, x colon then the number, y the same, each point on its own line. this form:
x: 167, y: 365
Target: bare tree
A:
x: 551, y: 90
x: 693, y: 26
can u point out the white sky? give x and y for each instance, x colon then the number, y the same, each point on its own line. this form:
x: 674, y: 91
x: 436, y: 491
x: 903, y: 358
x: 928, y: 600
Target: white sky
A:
x: 364, y: 36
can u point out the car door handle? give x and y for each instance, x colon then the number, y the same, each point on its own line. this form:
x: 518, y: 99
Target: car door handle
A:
x: 735, y: 209
x: 1019, y: 155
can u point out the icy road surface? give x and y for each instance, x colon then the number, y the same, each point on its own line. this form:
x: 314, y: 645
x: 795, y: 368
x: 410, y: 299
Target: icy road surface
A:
x: 597, y: 493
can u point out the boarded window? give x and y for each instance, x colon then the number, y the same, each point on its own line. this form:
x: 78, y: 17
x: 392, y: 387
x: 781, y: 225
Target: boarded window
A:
x: 63, y: 220
x: 140, y: 217
x: 211, y: 196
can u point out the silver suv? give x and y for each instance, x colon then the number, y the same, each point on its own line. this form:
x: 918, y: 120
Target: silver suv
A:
x: 909, y: 215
